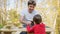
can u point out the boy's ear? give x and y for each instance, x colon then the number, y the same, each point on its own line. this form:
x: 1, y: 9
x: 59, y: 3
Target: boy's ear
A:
x: 34, y: 23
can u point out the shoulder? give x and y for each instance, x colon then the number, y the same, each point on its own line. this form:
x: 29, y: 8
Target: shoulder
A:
x: 36, y: 12
x: 43, y: 23
x: 24, y: 11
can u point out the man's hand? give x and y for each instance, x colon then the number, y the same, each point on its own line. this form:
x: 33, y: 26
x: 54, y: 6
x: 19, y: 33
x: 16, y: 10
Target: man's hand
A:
x: 28, y: 22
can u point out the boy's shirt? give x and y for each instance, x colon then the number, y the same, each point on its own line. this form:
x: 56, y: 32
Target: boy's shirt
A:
x: 37, y: 29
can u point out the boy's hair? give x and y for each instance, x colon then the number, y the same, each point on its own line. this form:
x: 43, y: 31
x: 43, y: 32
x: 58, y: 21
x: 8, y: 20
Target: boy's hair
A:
x: 37, y: 19
x: 31, y: 2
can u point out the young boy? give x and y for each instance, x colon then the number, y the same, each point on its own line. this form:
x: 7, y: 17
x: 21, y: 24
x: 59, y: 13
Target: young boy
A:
x: 38, y: 27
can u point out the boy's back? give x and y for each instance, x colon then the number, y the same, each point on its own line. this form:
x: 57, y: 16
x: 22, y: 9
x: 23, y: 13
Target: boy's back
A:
x: 37, y: 29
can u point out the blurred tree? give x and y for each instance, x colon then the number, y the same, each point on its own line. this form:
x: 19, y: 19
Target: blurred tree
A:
x: 58, y: 23
x: 14, y: 17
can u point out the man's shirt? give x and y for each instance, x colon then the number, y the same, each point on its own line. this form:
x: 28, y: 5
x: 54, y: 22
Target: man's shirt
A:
x: 28, y: 16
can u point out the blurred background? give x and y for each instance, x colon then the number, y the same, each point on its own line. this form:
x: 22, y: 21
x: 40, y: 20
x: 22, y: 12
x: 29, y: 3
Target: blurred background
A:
x: 49, y: 9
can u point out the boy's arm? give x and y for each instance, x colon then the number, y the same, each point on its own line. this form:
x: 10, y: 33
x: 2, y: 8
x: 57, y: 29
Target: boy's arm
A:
x: 30, y: 29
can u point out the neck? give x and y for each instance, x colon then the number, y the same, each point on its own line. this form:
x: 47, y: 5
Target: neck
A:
x: 30, y: 11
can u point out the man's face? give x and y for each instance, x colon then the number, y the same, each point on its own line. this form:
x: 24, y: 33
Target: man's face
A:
x: 31, y: 7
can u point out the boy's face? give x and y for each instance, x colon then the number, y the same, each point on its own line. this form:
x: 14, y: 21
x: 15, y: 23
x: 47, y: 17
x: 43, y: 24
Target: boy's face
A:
x: 31, y: 7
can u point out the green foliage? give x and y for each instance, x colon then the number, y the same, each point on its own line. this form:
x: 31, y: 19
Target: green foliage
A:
x: 14, y: 17
x: 1, y: 26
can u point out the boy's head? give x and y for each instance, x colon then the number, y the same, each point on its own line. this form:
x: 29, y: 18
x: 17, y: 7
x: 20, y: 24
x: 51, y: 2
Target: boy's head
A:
x: 31, y: 5
x: 37, y: 19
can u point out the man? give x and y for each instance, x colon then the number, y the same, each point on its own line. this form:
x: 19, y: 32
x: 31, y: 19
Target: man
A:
x: 28, y: 14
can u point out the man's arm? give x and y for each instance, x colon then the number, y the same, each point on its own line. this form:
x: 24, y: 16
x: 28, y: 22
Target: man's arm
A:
x: 22, y: 16
x: 24, y: 22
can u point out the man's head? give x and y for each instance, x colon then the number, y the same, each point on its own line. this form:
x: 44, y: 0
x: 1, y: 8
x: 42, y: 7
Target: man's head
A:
x: 31, y: 5
x: 37, y: 19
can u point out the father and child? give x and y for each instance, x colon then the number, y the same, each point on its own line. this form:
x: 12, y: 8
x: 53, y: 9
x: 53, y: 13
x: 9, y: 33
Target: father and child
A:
x: 38, y: 26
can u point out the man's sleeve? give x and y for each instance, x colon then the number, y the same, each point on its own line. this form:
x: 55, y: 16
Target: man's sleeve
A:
x: 22, y: 13
x: 37, y: 12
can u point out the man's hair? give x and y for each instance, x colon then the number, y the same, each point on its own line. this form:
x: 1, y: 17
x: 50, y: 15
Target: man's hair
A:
x: 37, y: 19
x: 31, y: 2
